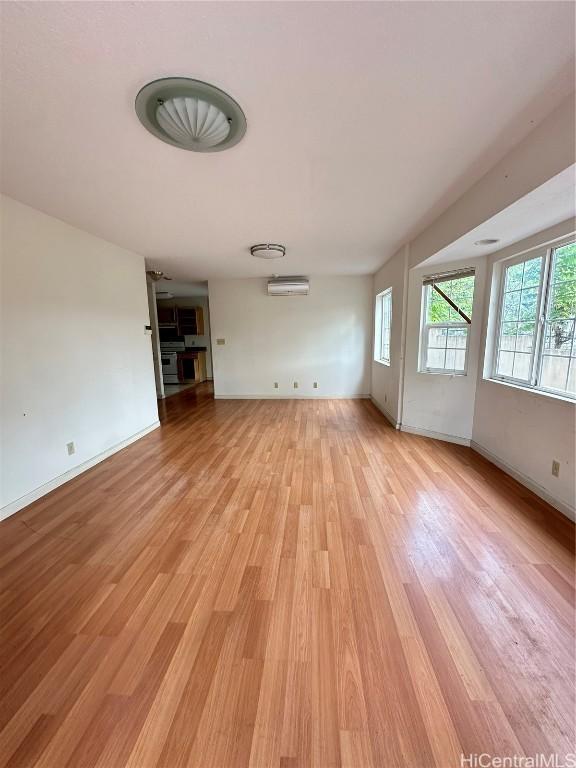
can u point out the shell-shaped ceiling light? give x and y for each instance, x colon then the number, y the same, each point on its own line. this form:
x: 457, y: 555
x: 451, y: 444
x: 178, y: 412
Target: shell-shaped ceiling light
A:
x: 190, y: 114
x: 189, y: 119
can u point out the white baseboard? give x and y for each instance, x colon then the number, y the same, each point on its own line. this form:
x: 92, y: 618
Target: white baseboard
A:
x: 387, y: 415
x: 291, y: 397
x: 523, y: 479
x: 435, y: 435
x: 42, y: 490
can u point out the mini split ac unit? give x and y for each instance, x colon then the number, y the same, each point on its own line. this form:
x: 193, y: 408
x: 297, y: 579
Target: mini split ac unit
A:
x: 288, y: 286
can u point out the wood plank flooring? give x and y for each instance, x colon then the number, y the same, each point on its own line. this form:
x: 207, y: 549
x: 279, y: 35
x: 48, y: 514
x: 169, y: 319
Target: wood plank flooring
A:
x: 277, y: 584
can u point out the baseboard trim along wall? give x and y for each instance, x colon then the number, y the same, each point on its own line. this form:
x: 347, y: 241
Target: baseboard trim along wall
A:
x: 387, y: 415
x: 42, y: 490
x: 436, y: 435
x: 291, y: 397
x: 523, y: 479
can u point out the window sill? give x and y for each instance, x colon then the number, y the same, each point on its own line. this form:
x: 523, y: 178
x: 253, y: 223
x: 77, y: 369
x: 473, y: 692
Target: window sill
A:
x: 531, y: 390
x: 452, y: 374
x: 382, y: 362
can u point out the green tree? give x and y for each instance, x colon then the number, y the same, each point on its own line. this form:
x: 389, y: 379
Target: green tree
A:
x: 563, y: 296
x: 461, y: 291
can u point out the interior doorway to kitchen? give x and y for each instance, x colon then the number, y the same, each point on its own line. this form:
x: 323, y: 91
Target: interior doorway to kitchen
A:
x: 183, y: 322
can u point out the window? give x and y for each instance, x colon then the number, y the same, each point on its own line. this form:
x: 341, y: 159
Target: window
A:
x: 535, y: 340
x: 446, y: 318
x: 383, y: 327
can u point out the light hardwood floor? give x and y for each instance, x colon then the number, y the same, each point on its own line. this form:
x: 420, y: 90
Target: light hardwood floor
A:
x: 280, y: 584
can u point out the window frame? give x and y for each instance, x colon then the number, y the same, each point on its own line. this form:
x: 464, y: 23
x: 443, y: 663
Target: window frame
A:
x: 379, y: 327
x: 543, y: 301
x: 537, y: 340
x: 425, y: 328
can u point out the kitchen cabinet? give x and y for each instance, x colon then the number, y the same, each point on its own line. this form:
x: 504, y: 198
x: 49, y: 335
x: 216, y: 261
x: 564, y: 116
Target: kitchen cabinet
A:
x: 191, y: 366
x: 190, y: 321
x: 166, y: 316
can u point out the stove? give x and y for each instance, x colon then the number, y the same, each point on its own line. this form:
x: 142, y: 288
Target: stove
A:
x: 169, y: 357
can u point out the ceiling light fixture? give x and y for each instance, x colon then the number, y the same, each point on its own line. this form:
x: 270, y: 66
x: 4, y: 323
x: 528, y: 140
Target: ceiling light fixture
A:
x: 156, y: 274
x: 487, y: 241
x: 268, y: 251
x: 190, y: 114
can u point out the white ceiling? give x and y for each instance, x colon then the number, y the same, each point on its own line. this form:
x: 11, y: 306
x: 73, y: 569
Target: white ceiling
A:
x: 549, y: 204
x: 365, y: 120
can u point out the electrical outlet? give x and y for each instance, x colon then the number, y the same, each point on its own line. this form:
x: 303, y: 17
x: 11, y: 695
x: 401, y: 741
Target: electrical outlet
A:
x: 315, y: 385
x: 71, y: 448
x: 295, y: 385
x: 275, y: 385
x: 556, y: 468
x: 220, y: 342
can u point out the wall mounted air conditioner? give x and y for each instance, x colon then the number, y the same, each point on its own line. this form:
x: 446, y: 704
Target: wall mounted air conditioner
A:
x: 288, y: 286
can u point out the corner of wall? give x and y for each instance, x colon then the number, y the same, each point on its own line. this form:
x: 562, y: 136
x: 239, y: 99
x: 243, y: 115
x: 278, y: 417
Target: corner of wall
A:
x: 384, y: 411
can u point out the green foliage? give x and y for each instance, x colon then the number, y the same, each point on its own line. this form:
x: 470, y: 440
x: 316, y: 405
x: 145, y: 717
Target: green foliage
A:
x: 461, y: 291
x: 563, y: 297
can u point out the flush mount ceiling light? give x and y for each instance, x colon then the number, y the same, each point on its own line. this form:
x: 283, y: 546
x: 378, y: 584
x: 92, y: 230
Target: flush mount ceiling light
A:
x: 190, y: 114
x: 268, y: 251
x: 487, y: 241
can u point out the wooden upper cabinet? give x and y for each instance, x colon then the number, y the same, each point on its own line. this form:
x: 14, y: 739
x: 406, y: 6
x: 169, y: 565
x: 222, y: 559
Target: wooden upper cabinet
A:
x: 200, y: 320
x: 190, y: 321
x: 166, y: 315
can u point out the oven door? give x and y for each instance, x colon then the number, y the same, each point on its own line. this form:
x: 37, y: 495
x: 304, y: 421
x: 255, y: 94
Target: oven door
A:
x: 169, y: 367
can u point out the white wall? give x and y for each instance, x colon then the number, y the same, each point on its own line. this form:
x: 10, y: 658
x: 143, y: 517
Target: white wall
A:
x: 76, y: 361
x: 324, y: 337
x: 545, y: 152
x: 523, y: 432
x: 520, y: 430
x: 441, y: 404
x: 386, y: 379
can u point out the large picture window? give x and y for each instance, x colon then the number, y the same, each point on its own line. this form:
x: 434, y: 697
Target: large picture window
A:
x: 535, y: 339
x: 383, y: 327
x: 446, y: 318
